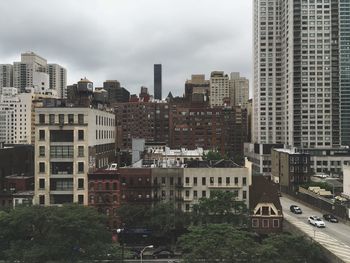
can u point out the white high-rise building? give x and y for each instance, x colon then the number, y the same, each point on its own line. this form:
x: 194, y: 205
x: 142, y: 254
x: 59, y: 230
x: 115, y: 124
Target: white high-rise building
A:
x: 298, y: 48
x: 58, y: 79
x: 23, y: 71
x: 219, y: 88
x: 239, y: 90
x: 6, y: 75
x: 15, y: 116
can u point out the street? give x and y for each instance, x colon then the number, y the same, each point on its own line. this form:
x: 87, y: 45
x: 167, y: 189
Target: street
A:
x: 335, y: 236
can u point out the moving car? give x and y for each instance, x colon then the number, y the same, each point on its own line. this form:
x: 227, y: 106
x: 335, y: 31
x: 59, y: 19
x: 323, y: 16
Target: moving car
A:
x: 331, y: 218
x: 295, y: 209
x: 316, y: 221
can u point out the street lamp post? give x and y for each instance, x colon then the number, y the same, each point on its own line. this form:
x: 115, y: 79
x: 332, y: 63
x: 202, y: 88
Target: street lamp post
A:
x: 150, y: 246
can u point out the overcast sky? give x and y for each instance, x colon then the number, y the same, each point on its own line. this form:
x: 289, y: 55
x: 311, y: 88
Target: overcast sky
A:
x: 122, y: 39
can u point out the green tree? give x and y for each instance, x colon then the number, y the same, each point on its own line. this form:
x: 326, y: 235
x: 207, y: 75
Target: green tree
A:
x: 220, y: 207
x: 63, y: 234
x: 214, y: 156
x: 286, y: 248
x: 218, y: 242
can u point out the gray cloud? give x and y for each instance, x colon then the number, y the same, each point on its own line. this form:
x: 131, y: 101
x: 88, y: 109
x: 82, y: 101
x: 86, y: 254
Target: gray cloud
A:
x: 122, y: 39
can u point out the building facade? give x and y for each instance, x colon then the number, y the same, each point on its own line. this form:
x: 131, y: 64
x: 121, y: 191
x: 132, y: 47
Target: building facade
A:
x: 58, y: 79
x: 6, y: 75
x: 290, y: 168
x: 104, y: 194
x: 197, y: 89
x: 69, y: 144
x: 219, y: 89
x: 15, y: 116
x: 239, y: 90
x: 158, y: 81
x: 116, y: 93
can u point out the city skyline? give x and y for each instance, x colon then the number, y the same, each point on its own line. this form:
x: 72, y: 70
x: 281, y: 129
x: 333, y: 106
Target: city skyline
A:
x: 107, y: 49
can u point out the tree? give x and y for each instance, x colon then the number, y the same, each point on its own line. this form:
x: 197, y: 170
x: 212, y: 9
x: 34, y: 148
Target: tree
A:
x: 286, y: 248
x: 63, y: 234
x: 218, y: 242
x: 214, y: 156
x: 220, y: 207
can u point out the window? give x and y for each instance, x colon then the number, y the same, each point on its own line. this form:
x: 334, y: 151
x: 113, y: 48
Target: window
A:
x: 276, y: 223
x: 244, y: 181
x: 187, y: 193
x: 171, y: 180
x: 41, y: 183
x: 204, y: 194
x: 41, y: 135
x: 211, y: 180
x: 204, y: 181
x: 80, y: 199
x: 41, y: 151
x: 244, y: 194
x: 61, y: 151
x: 107, y: 186
x: 92, y: 199
x: 163, y: 180
x: 115, y: 186
x: 80, y: 167
x: 81, y: 135
x: 195, y: 194
x: 41, y: 167
x: 41, y: 118
x: 194, y: 181
x: 80, y: 151
x: 187, y: 180
x: 52, y: 118
x: 227, y: 180
x: 236, y: 180
x: 220, y: 180
x: 80, y: 183
x: 70, y: 118
x: 265, y: 223
x: 80, y: 118
x: 61, y: 119
x: 255, y: 223
x: 187, y: 207
x: 42, y: 199
x: 265, y: 210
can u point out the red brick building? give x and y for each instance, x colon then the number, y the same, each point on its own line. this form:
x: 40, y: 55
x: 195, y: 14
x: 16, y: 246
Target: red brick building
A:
x: 104, y: 194
x: 136, y: 185
x: 198, y: 125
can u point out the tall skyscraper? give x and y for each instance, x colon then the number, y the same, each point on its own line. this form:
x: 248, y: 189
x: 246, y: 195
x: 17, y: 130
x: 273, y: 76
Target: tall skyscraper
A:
x: 297, y: 81
x: 58, y: 79
x: 344, y: 70
x: 301, y: 75
x: 6, y: 75
x: 158, y: 81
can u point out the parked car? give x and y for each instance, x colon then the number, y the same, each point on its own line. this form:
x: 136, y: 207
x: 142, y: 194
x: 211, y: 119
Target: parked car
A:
x: 295, y: 209
x: 316, y: 221
x: 163, y: 254
x: 331, y: 218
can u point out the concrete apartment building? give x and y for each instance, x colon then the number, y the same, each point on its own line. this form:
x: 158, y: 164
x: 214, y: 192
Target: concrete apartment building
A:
x: 197, y: 89
x: 219, y: 89
x: 185, y: 186
x: 301, y: 87
x: 58, y: 79
x: 290, y: 168
x: 239, y: 90
x: 6, y: 75
x: 116, y: 93
x: 15, y: 116
x: 69, y: 144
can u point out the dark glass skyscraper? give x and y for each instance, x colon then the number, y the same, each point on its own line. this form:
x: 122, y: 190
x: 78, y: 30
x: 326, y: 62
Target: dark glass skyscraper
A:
x: 158, y: 81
